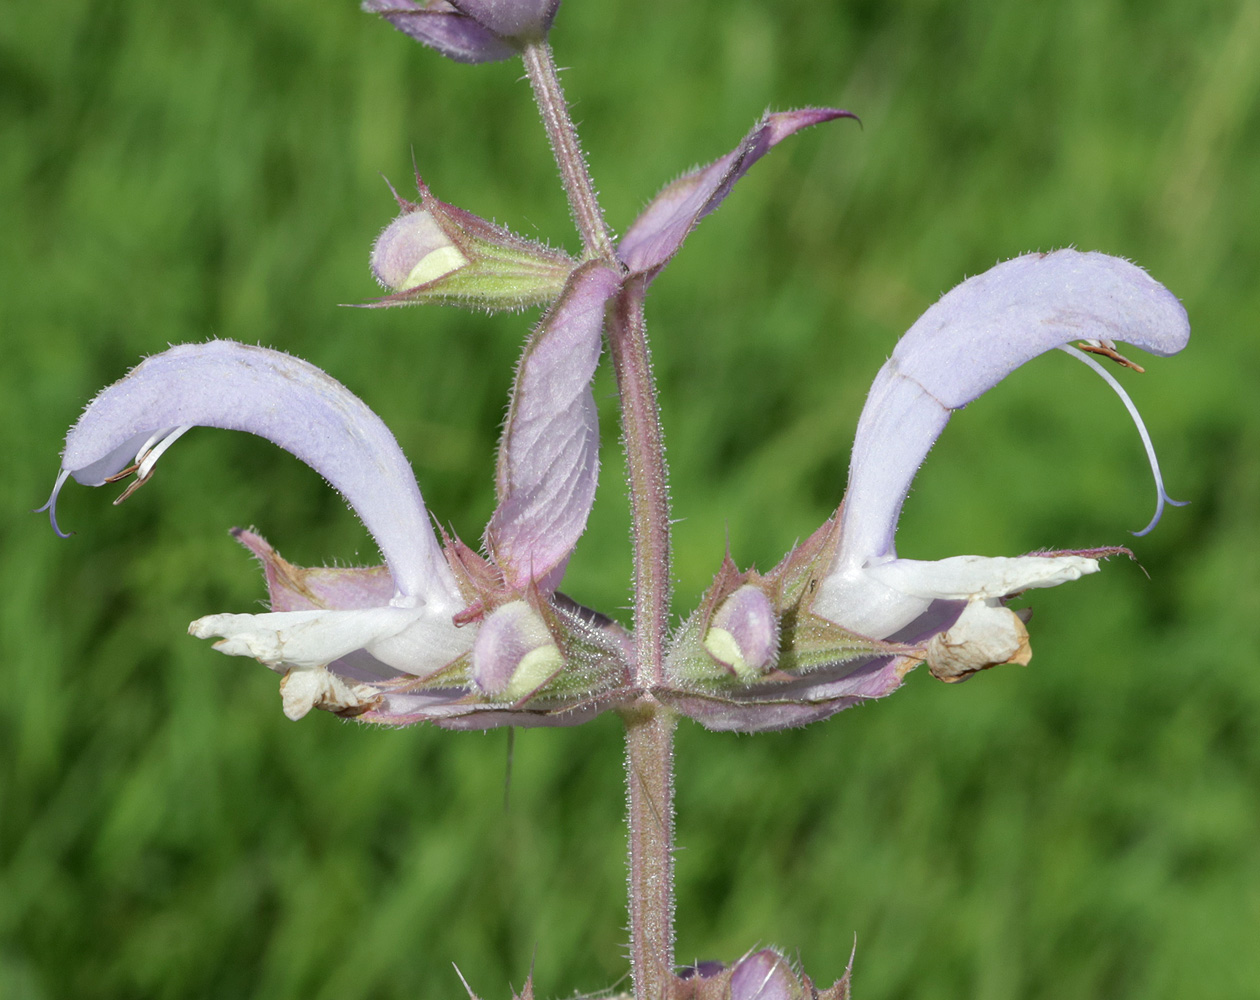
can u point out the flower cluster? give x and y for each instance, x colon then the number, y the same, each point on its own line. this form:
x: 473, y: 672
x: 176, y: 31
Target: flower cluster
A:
x: 478, y: 637
x: 444, y: 634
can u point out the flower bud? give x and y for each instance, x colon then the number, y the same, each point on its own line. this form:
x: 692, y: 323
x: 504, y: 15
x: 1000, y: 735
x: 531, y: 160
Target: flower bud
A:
x: 514, y: 654
x: 435, y: 252
x: 765, y: 975
x: 744, y: 633
x: 412, y: 251
x: 470, y: 31
x: 516, y: 20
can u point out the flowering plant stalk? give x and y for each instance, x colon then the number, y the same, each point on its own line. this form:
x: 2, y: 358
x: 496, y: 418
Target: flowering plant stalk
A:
x: 445, y: 633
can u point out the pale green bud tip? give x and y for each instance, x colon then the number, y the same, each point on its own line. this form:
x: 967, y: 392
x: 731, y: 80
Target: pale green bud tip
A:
x: 744, y: 633
x: 514, y: 654
x: 414, y: 250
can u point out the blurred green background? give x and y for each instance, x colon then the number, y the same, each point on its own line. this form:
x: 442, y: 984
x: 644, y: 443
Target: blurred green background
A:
x: 1088, y: 826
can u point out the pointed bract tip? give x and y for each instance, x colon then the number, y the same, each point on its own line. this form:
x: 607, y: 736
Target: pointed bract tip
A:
x: 784, y: 123
x: 840, y: 989
x: 659, y: 231
x: 467, y: 988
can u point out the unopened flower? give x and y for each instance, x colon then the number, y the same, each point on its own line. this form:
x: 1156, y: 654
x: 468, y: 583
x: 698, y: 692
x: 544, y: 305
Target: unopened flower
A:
x: 518, y: 20
x: 514, y: 654
x: 765, y: 975
x: 413, y: 250
x: 744, y: 633
x: 760, y: 975
x: 470, y: 31
x: 732, y: 638
x: 435, y: 252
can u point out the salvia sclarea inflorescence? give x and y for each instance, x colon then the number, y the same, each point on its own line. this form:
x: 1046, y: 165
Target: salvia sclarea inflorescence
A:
x: 475, y: 638
x: 463, y: 638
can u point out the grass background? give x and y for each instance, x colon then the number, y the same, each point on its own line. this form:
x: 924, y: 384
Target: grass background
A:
x: 1086, y: 827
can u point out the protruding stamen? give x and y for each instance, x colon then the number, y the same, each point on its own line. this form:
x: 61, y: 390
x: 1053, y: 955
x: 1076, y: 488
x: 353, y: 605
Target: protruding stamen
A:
x: 143, y: 450
x: 134, y: 485
x: 146, y: 459
x: 121, y: 474
x: 1161, y: 496
x: 150, y: 453
x: 1107, y: 349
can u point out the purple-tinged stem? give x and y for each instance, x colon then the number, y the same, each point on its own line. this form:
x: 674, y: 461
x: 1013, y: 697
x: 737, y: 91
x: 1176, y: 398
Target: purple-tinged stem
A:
x: 649, y: 491
x: 650, y: 797
x: 541, y: 68
x: 649, y: 725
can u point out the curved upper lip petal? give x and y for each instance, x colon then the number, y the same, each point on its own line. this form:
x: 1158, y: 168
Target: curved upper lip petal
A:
x: 969, y: 341
x: 988, y: 326
x: 287, y: 401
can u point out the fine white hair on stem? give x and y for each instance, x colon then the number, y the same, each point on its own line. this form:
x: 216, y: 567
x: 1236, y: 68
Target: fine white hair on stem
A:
x: 1162, y: 496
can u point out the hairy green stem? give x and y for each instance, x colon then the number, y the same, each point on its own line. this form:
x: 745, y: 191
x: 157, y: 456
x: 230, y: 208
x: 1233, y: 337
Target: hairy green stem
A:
x: 587, y: 216
x: 650, y: 798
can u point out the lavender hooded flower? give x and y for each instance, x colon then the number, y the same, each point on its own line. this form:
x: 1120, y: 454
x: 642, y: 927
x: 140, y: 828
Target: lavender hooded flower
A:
x: 960, y: 348
x: 396, y: 643
x: 853, y: 616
